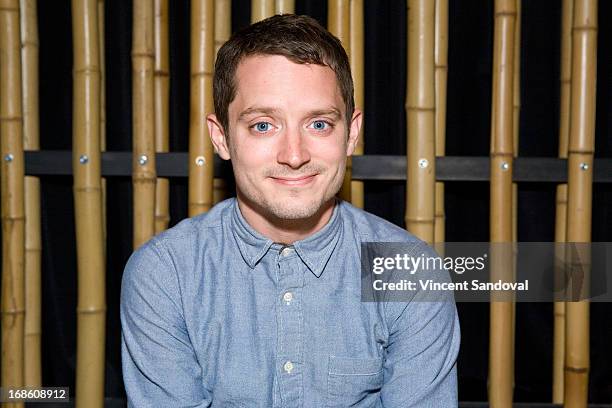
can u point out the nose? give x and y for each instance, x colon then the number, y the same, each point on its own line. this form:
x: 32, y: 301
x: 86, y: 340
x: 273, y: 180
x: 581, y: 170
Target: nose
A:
x: 293, y: 150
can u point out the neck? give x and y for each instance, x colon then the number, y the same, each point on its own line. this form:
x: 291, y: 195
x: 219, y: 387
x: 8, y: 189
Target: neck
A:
x: 285, y: 231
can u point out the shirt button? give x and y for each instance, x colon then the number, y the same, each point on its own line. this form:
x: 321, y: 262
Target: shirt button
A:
x: 288, y: 367
x: 288, y: 297
x: 286, y: 251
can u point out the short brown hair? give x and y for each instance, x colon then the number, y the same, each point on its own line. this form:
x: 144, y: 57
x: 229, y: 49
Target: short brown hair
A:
x: 301, y: 39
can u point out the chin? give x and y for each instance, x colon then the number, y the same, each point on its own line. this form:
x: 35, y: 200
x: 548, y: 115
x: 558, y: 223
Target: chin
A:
x: 293, y: 209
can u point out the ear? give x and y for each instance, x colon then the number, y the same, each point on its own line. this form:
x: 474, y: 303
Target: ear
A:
x: 354, y: 130
x: 217, y: 136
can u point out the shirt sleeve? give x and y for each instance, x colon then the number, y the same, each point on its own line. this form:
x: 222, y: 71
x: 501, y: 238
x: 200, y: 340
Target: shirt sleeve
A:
x: 160, y: 368
x: 420, y: 365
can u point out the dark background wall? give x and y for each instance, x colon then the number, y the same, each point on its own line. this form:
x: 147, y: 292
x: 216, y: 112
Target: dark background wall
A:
x: 469, y: 100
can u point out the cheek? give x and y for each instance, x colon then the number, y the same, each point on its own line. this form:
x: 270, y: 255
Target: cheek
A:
x: 251, y: 148
x: 332, y: 153
x: 250, y: 164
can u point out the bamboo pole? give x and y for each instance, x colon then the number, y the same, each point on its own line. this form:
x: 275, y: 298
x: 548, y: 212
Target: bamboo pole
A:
x: 29, y: 59
x: 501, y: 366
x: 420, y: 120
x: 441, y: 75
x: 102, y: 110
x: 285, y: 7
x: 357, y: 66
x: 223, y: 31
x: 162, y: 110
x: 143, y: 110
x: 516, y: 111
x: 338, y: 23
x: 12, y: 203
x: 261, y: 9
x: 579, y: 186
x: 561, y: 196
x: 91, y: 308
x: 223, y: 23
x: 200, y: 147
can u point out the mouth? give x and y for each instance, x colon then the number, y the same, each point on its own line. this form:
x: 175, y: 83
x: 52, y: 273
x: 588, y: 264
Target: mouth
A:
x: 295, y: 181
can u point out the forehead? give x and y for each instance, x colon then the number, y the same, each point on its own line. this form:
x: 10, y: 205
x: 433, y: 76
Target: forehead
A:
x: 275, y: 81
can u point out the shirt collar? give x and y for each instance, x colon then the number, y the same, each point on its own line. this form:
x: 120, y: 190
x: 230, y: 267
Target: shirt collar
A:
x: 314, y: 250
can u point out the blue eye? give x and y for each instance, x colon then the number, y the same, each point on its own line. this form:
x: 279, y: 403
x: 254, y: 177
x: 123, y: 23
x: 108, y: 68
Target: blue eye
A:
x: 320, y: 125
x: 262, y: 127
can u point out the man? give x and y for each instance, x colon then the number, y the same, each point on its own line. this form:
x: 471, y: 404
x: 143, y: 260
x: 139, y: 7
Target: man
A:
x: 258, y: 302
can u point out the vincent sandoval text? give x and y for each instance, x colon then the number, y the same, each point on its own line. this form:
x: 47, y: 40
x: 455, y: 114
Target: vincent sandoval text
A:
x: 431, y: 285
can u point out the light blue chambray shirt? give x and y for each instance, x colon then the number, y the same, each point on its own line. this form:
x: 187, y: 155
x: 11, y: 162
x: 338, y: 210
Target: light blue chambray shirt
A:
x: 216, y: 315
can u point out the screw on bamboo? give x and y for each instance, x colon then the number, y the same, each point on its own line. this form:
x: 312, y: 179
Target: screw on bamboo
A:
x: 501, y: 368
x: 12, y: 180
x: 223, y: 30
x: 143, y: 111
x: 357, y: 66
x: 261, y: 9
x: 200, y: 147
x: 162, y: 110
x: 579, y: 191
x: 102, y: 109
x: 561, y: 195
x: 285, y: 6
x: 91, y: 307
x: 338, y: 23
x: 420, y: 120
x: 29, y: 58
x: 441, y: 76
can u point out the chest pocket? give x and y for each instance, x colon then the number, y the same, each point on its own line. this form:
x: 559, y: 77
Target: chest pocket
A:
x: 354, y: 382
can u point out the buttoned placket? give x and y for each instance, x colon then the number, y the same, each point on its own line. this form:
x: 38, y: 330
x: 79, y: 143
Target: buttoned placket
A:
x: 290, y: 360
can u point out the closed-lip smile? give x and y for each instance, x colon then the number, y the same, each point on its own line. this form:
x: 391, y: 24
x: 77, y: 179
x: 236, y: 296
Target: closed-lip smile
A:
x: 295, y: 181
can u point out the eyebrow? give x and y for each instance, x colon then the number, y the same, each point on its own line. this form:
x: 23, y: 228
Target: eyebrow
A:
x: 271, y: 111
x: 257, y: 110
x: 321, y: 112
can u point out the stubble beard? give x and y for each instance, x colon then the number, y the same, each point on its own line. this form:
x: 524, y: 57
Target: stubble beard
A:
x: 291, y: 206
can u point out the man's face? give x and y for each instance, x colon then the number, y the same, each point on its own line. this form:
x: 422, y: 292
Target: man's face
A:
x: 288, y: 138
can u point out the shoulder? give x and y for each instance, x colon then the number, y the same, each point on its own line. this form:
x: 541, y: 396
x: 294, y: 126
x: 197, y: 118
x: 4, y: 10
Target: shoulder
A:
x: 175, y: 246
x: 388, y: 240
x: 372, y: 228
x: 197, y: 226
x: 192, y: 233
